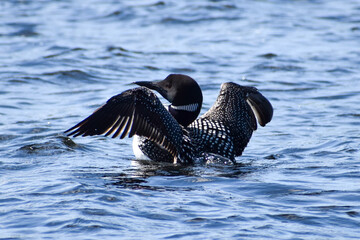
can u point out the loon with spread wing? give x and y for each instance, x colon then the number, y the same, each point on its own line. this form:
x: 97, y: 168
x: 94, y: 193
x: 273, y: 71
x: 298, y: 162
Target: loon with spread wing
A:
x: 176, y: 134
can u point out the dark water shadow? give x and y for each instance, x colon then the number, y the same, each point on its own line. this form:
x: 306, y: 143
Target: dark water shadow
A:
x: 172, y: 177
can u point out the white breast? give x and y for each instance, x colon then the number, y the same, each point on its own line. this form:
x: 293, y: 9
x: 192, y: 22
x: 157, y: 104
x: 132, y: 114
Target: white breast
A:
x: 137, y: 151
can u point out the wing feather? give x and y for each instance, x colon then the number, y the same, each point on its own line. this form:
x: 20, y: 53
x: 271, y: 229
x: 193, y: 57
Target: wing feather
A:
x: 234, y: 110
x: 114, y: 126
x: 135, y: 111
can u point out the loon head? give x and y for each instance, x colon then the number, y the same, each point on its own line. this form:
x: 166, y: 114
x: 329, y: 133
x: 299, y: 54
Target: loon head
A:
x: 182, y: 92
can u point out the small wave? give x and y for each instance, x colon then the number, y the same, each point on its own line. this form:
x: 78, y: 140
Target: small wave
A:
x: 341, y: 18
x: 60, y: 51
x: 268, y: 55
x: 122, y: 52
x: 72, y: 75
x: 124, y: 13
x: 312, y: 149
x: 350, y: 115
x: 292, y: 217
x: 353, y: 213
x: 25, y: 30
x: 82, y: 225
x: 151, y: 68
x: 9, y: 107
x: 276, y: 68
x: 47, y: 148
x: 340, y: 71
x: 6, y: 137
x: 337, y: 97
x: 54, y: 146
x: 174, y: 20
x: 181, y: 70
x: 220, y: 7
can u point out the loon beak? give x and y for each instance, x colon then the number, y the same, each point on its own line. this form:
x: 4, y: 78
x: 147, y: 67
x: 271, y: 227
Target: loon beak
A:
x: 152, y: 85
x: 158, y: 86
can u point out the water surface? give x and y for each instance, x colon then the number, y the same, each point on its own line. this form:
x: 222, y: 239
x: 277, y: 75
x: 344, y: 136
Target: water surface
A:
x: 298, y: 178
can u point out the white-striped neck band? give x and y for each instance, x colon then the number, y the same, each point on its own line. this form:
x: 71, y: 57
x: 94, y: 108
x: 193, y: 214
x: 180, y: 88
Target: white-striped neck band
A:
x: 190, y: 107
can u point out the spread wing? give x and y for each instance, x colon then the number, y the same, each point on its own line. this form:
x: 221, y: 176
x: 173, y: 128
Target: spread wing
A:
x: 135, y: 111
x: 231, y: 121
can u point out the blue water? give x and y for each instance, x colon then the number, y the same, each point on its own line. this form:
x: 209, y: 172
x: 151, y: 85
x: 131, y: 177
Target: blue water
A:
x: 299, y: 177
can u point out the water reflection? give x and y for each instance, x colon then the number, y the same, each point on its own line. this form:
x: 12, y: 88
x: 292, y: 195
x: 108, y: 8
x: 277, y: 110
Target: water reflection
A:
x: 143, y: 172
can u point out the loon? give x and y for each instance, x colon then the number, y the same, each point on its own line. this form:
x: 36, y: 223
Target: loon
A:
x: 176, y: 134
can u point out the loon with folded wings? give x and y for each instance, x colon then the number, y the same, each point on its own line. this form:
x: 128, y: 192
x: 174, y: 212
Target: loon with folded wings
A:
x: 174, y: 134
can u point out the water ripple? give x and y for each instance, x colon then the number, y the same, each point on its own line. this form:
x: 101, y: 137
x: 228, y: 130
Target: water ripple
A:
x: 297, y: 179
x: 23, y: 29
x: 72, y: 75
